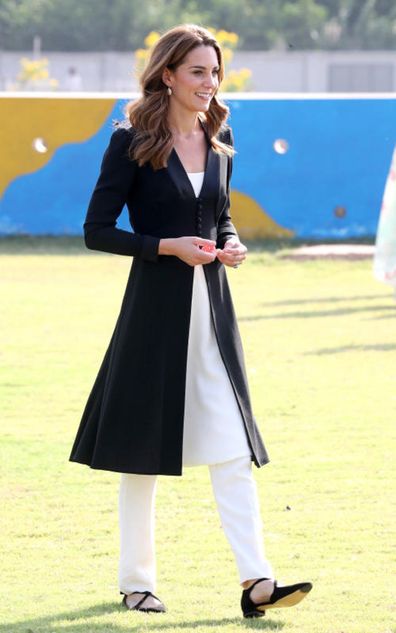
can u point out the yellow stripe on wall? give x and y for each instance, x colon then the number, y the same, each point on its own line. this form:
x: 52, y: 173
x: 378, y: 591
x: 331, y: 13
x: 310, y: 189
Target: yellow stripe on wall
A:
x: 55, y: 121
x: 251, y: 221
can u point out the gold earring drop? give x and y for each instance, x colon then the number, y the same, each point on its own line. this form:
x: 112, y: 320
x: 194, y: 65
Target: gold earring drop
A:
x: 169, y: 91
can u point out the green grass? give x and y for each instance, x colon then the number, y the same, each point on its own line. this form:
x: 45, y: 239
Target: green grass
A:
x: 320, y: 344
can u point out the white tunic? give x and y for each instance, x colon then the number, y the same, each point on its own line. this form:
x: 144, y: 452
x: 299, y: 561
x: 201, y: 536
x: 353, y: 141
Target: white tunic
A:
x: 214, y: 431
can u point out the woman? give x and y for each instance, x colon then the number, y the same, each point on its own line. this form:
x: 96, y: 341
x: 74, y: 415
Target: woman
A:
x: 172, y: 388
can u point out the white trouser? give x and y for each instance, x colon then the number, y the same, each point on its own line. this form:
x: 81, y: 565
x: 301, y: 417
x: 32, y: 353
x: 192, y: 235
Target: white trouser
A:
x: 235, y: 493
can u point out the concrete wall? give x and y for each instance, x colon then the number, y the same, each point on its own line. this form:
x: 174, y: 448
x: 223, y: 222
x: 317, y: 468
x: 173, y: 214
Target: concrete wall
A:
x: 299, y: 71
x: 306, y: 166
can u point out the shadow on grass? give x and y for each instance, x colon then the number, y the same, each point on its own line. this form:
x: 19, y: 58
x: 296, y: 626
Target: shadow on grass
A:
x: 19, y: 244
x: 291, y: 302
x: 379, y: 318
x: 42, y: 244
x: 313, y: 314
x: 381, y: 347
x: 69, y: 244
x: 64, y: 622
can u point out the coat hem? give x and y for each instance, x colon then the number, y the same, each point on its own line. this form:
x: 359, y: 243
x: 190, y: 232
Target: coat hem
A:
x: 119, y: 469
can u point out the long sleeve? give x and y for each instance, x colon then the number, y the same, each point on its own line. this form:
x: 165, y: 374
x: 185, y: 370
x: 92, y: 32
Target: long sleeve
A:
x: 109, y: 196
x: 225, y: 227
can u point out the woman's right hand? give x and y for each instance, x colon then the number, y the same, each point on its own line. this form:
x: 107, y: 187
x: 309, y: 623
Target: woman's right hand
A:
x: 191, y: 250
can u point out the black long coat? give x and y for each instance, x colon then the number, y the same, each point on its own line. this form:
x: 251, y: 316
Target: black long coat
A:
x: 133, y: 420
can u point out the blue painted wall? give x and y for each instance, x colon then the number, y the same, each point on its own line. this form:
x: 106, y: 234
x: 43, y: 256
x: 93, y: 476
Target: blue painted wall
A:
x: 339, y: 155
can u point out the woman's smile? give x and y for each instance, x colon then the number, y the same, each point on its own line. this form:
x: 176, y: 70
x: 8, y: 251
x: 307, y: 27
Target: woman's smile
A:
x: 204, y: 96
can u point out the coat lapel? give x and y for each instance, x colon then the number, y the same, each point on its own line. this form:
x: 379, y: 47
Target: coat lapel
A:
x: 179, y: 176
x: 211, y: 183
x: 222, y: 169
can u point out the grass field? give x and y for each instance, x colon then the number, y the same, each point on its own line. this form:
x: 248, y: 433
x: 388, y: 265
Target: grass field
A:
x: 320, y: 346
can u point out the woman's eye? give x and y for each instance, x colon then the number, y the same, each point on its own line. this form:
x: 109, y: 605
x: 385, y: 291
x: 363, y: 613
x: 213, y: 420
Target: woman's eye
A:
x: 199, y: 72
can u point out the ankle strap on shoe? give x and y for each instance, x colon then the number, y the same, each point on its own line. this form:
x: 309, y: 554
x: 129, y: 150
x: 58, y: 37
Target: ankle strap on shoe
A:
x: 259, y: 580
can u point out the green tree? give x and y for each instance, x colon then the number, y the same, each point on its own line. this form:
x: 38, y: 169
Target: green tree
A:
x: 73, y: 25
x: 262, y: 24
x: 360, y: 24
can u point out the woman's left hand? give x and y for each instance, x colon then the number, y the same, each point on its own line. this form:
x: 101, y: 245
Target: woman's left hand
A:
x: 233, y: 253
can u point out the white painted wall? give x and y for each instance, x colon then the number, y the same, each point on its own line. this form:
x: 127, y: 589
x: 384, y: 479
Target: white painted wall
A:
x: 273, y: 71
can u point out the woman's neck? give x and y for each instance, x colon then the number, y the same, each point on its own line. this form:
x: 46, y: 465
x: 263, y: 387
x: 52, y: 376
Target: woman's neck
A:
x: 183, y: 125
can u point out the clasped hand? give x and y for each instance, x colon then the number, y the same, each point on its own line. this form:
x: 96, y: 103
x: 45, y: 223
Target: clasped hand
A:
x: 233, y: 253
x: 196, y: 250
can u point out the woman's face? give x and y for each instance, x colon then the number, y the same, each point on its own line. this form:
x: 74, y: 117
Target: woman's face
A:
x: 196, y: 80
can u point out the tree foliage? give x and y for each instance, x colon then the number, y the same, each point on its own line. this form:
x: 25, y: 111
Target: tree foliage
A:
x: 122, y: 25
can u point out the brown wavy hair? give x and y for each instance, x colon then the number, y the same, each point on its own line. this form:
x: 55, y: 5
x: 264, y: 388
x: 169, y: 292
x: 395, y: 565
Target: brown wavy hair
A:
x: 152, y: 141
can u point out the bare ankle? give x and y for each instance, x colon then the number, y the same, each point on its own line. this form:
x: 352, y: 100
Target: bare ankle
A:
x: 248, y: 583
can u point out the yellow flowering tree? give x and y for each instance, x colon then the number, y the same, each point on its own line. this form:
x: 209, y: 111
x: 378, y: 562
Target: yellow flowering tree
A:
x: 142, y: 54
x: 234, y: 80
x: 34, y: 75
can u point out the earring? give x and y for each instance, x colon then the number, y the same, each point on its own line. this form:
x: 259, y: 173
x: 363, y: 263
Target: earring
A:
x: 169, y: 91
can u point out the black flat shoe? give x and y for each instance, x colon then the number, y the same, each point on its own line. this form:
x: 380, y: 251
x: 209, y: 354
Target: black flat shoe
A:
x: 286, y: 596
x: 139, y: 605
